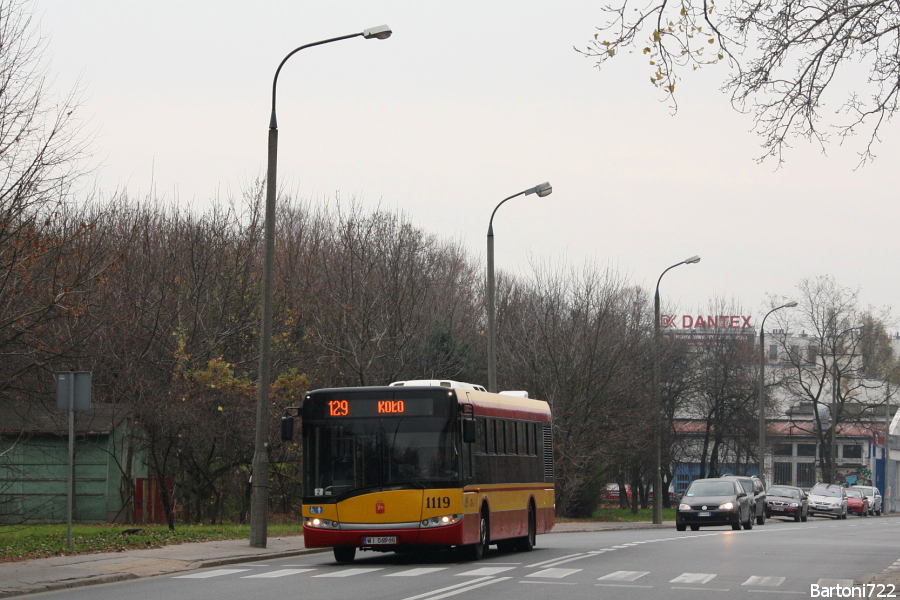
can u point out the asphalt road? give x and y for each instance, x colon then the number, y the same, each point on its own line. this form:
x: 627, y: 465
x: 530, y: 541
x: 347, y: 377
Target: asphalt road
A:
x: 780, y: 559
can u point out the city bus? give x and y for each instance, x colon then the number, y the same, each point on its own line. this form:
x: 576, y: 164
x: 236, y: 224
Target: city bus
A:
x: 424, y: 463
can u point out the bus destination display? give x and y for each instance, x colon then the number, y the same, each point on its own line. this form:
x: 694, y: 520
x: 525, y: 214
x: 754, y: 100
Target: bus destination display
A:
x: 372, y: 407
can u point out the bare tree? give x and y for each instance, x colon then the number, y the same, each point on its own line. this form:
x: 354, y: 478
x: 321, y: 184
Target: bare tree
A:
x: 574, y: 339
x: 828, y: 374
x: 787, y: 59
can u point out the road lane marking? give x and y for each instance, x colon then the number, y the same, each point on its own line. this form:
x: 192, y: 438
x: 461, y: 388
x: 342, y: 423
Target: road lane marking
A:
x: 348, y: 572
x: 764, y: 581
x: 278, y: 573
x: 553, y: 560
x: 694, y: 578
x: 461, y: 589
x: 449, y: 587
x: 623, y: 576
x: 622, y: 585
x: 208, y: 574
x: 417, y: 572
x: 554, y: 573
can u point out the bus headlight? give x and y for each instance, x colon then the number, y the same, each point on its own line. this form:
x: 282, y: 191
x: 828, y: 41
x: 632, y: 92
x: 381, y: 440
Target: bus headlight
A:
x: 321, y: 523
x: 441, y: 521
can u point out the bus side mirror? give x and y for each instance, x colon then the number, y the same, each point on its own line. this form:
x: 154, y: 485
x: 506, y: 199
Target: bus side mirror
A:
x: 469, y: 431
x: 287, y: 428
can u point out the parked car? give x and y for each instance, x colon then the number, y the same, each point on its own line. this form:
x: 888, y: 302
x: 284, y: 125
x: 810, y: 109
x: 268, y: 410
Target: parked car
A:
x: 787, y: 501
x: 873, y: 495
x: 756, y: 492
x: 828, y: 499
x: 857, y: 503
x: 714, y: 501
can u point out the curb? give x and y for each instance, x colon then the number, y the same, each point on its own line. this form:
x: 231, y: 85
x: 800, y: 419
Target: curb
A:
x: 73, y: 583
x: 117, y: 577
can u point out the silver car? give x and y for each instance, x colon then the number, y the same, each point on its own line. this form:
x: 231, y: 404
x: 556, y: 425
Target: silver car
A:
x: 828, y: 499
x: 874, y: 497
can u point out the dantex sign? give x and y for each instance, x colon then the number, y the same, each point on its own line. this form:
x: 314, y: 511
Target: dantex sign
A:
x: 709, y: 322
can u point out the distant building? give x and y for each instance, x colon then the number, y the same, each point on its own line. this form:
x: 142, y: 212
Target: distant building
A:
x: 792, y: 444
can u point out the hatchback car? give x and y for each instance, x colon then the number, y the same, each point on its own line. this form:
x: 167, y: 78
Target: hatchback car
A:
x: 828, y: 499
x: 787, y: 501
x: 714, y: 501
x: 873, y: 495
x: 857, y: 503
x: 756, y: 493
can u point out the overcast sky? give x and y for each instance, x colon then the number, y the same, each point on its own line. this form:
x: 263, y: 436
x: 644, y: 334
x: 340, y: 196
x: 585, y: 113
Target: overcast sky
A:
x: 467, y: 103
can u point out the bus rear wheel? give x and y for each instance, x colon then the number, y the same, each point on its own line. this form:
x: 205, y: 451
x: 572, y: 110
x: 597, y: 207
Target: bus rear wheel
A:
x: 476, y: 551
x: 344, y: 554
x: 525, y: 544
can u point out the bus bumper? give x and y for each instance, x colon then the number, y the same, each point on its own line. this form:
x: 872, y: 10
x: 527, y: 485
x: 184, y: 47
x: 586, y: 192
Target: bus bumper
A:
x: 447, y: 535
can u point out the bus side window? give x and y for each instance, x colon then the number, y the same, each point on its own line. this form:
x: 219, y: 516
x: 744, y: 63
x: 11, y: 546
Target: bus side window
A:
x: 482, y: 439
x: 520, y: 438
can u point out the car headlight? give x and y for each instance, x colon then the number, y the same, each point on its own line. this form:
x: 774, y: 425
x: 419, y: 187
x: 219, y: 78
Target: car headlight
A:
x: 795, y: 504
x: 321, y: 523
x: 684, y: 507
x: 727, y: 506
x: 439, y: 521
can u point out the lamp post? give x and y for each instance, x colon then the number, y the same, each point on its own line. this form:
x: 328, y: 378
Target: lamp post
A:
x: 259, y: 500
x: 657, y: 395
x: 542, y: 190
x: 762, y: 387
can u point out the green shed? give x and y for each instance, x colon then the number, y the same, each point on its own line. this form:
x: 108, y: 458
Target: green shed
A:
x: 34, y: 462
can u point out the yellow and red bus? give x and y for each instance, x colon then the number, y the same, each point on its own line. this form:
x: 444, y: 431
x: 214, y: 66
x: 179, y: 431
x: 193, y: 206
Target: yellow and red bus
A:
x: 424, y: 463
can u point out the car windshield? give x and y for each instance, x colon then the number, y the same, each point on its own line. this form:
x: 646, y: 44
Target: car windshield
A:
x: 747, y: 485
x: 784, y: 492
x: 711, y: 488
x: 826, y: 490
x: 854, y: 493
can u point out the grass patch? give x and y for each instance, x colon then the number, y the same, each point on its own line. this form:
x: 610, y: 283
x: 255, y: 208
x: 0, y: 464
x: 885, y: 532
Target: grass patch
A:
x: 614, y: 513
x: 21, y: 542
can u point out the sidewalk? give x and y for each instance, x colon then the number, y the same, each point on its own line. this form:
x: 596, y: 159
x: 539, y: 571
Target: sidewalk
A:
x: 58, y: 572
x: 47, y: 574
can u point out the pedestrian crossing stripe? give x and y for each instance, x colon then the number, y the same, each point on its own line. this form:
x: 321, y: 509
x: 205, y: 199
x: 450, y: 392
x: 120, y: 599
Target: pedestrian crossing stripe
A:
x: 208, y: 574
x: 348, y: 572
x: 274, y: 574
x: 416, y: 572
x: 554, y: 573
x: 549, y: 572
x: 624, y: 576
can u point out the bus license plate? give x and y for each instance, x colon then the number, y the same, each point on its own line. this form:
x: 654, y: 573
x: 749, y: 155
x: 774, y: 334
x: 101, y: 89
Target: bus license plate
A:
x: 381, y: 540
x: 703, y: 514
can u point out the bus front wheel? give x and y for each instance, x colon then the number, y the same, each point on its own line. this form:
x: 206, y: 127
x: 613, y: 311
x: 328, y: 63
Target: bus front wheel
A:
x: 344, y: 554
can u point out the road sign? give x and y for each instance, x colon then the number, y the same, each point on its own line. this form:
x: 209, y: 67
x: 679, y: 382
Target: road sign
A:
x: 80, y: 396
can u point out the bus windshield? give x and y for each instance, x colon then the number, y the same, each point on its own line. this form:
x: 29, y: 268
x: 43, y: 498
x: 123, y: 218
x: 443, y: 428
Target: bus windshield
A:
x: 341, y: 457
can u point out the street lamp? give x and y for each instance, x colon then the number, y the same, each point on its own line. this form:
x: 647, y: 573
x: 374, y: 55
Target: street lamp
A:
x: 762, y: 387
x: 542, y: 190
x: 657, y: 395
x: 259, y: 500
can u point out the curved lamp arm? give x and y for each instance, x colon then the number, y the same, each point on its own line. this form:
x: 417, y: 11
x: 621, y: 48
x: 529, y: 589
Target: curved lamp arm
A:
x: 382, y: 32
